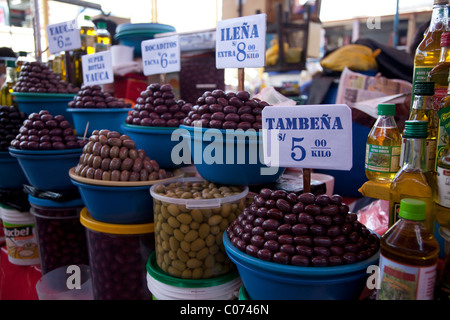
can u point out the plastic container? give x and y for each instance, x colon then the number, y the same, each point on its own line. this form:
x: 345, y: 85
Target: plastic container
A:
x: 107, y: 118
x: 236, y: 160
x: 121, y: 54
x: 48, y: 169
x: 20, y: 237
x: 12, y: 176
x: 195, y: 227
x: 165, y: 287
x: 62, y: 238
x: 118, y: 256
x: 156, y: 141
x: 132, y: 34
x: 272, y: 281
x: 55, y: 103
x: 54, y: 285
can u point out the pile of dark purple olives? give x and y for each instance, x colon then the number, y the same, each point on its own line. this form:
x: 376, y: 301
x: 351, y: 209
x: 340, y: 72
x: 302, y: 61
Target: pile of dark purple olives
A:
x: 302, y: 230
x: 43, y: 131
x: 37, y: 77
x: 94, y: 97
x: 11, y: 120
x: 226, y: 110
x: 157, y: 107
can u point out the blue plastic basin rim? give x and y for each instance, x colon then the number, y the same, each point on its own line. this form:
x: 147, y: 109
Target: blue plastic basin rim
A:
x: 99, y: 110
x: 145, y: 129
x: 44, y: 153
x: 55, y: 204
x: 296, y: 270
x: 109, y: 188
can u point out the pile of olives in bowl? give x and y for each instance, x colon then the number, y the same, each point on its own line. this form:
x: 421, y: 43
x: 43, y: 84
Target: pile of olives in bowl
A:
x: 43, y: 131
x: 302, y: 230
x: 157, y: 107
x: 11, y: 120
x: 94, y: 97
x: 37, y: 77
x: 112, y: 156
x: 226, y: 110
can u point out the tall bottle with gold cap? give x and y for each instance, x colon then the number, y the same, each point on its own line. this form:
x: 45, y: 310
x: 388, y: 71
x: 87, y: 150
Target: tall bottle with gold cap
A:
x: 428, y: 51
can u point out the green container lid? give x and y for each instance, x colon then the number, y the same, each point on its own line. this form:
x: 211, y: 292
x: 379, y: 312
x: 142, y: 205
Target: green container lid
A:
x: 386, y: 109
x: 101, y: 25
x: 412, y: 209
x: 424, y: 88
x: 416, y: 129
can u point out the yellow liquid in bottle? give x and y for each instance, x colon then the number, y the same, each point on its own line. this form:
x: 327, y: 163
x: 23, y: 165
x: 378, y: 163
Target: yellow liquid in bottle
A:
x: 386, y: 137
x: 88, y: 39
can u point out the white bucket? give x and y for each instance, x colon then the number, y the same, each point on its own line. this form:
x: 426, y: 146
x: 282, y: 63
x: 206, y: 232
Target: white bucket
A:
x: 20, y: 237
x: 121, y: 54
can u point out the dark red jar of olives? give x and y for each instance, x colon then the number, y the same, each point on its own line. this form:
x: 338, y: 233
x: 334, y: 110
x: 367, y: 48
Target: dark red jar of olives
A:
x: 62, y: 239
x: 118, y: 254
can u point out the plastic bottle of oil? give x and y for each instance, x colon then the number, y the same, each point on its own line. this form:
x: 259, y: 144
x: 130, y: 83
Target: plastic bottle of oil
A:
x: 21, y: 60
x: 408, y: 256
x: 87, y: 34
x: 428, y: 51
x: 11, y: 78
x: 413, y: 180
x: 103, y: 38
x: 422, y: 109
x: 383, y: 146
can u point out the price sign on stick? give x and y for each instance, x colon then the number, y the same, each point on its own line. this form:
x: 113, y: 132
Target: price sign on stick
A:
x: 241, y: 42
x: 311, y: 136
x: 97, y: 68
x: 161, y: 55
x: 64, y: 36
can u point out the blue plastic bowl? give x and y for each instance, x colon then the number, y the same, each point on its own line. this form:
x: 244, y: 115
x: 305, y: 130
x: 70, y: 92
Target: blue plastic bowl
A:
x: 156, y: 141
x: 116, y: 204
x: 272, y: 281
x: 244, y: 168
x: 55, y: 103
x: 48, y: 169
x: 11, y: 174
x: 107, y: 118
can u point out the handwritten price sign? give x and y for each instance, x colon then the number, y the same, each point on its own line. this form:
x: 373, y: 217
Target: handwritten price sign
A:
x: 63, y: 36
x: 161, y: 55
x: 241, y: 42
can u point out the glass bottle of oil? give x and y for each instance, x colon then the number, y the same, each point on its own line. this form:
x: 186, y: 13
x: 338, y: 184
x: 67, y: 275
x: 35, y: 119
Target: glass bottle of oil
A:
x: 443, y: 188
x: 87, y: 34
x: 439, y: 73
x: 103, y: 38
x: 413, y: 180
x: 422, y: 109
x: 383, y: 146
x: 408, y: 256
x: 21, y: 60
x: 11, y: 78
x: 428, y: 51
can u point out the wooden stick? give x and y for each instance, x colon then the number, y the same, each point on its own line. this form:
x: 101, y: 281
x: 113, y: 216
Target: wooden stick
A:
x: 306, y: 180
x: 241, y: 78
x: 85, y: 131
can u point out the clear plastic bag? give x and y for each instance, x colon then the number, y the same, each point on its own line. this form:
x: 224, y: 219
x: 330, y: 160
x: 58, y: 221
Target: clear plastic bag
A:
x: 375, y: 216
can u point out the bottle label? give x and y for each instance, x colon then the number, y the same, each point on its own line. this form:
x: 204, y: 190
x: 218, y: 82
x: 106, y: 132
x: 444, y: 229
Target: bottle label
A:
x: 21, y: 243
x: 439, y: 94
x: 443, y: 187
x: 405, y: 282
x: 382, y: 158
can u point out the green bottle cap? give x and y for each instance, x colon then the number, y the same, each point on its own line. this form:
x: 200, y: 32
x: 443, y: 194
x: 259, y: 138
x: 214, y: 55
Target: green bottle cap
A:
x: 87, y: 18
x: 386, y: 109
x: 23, y: 53
x: 424, y: 88
x: 10, y: 63
x: 416, y: 129
x: 101, y: 25
x: 412, y: 209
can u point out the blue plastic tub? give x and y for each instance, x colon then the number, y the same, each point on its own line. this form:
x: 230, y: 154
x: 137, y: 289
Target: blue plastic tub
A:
x: 48, y: 169
x: 272, y: 281
x: 11, y: 174
x: 116, y: 204
x: 107, y: 118
x: 156, y: 141
x: 55, y: 103
x: 233, y: 160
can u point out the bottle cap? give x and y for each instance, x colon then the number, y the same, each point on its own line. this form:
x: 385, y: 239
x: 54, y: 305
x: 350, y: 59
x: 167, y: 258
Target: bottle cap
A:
x: 87, y: 18
x: 386, y: 109
x: 445, y: 39
x: 10, y: 63
x: 23, y: 53
x: 412, y: 209
x: 102, y: 25
x: 416, y: 129
x: 424, y: 88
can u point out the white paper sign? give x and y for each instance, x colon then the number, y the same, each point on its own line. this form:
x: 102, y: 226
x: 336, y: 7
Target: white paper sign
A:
x: 241, y: 42
x: 64, y: 36
x: 97, y: 68
x: 161, y: 55
x: 308, y: 136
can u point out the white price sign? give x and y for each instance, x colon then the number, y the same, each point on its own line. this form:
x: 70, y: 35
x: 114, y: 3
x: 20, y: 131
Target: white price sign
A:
x: 241, y: 42
x: 161, y: 55
x: 64, y: 36
x: 308, y: 136
x: 97, y: 68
